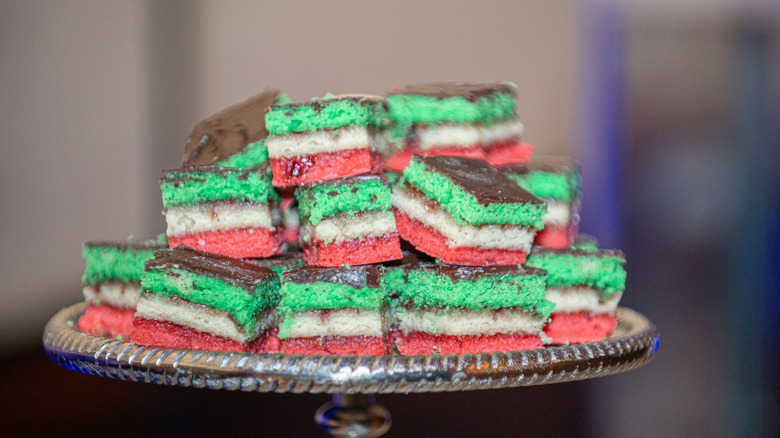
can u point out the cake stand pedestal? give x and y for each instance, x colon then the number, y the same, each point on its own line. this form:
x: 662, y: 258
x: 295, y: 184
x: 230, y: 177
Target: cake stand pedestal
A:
x: 353, y: 379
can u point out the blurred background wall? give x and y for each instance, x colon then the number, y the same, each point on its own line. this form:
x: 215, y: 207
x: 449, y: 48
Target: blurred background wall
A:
x: 671, y: 108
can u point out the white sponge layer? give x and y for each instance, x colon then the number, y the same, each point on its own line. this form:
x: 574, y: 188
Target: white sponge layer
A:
x: 338, y: 322
x: 581, y: 299
x: 509, y: 237
x: 114, y: 293
x: 219, y: 216
x: 460, y: 322
x: 199, y: 317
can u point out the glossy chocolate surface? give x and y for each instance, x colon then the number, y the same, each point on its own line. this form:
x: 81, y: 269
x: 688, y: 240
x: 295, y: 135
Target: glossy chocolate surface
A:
x: 229, y: 131
x: 458, y: 273
x: 355, y: 276
x: 479, y: 179
x: 467, y: 90
x: 240, y: 274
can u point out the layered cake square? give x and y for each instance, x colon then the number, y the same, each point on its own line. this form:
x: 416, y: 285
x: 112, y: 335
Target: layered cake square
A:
x: 586, y: 287
x: 347, y: 221
x: 201, y: 301
x: 112, y: 284
x: 233, y: 137
x: 324, y: 138
x: 465, y: 212
x: 449, y: 118
x: 333, y: 311
x: 231, y: 212
x: 444, y: 309
x: 557, y: 181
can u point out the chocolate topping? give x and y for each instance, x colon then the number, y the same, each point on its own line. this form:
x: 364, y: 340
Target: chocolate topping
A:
x: 355, y: 179
x: 240, y: 274
x: 189, y: 173
x: 551, y: 164
x: 147, y: 244
x: 469, y: 91
x: 578, y: 252
x: 319, y: 104
x: 355, y: 276
x: 286, y: 260
x: 229, y: 131
x: 480, y: 179
x: 458, y: 273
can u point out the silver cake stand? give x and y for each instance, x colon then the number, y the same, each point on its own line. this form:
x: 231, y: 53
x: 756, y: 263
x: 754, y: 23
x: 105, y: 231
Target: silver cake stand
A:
x: 352, y: 379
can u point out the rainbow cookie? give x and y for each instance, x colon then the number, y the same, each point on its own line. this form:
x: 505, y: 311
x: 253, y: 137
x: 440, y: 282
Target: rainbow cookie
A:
x: 333, y: 311
x: 280, y: 263
x: 232, y: 212
x: 557, y: 181
x: 465, y: 212
x: 205, y: 302
x: 324, y: 138
x: 112, y: 284
x: 586, y: 286
x: 446, y: 309
x: 347, y: 221
x: 233, y: 137
x: 475, y: 120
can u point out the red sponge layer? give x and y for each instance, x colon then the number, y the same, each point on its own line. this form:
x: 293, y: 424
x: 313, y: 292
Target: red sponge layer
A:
x: 169, y: 335
x: 426, y: 343
x: 497, y: 154
x: 106, y: 320
x: 553, y: 236
x: 342, y: 346
x: 502, y: 154
x: 401, y: 159
x: 434, y: 244
x: 353, y: 252
x: 237, y: 243
x: 328, y: 165
x: 579, y: 327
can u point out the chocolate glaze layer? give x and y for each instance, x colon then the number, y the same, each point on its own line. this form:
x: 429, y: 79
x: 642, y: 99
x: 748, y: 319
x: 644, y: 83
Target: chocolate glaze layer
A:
x: 480, y: 179
x: 142, y: 244
x: 229, y: 131
x: 467, y: 90
x: 286, y: 260
x: 355, y: 276
x: 355, y: 179
x: 550, y: 163
x: 458, y: 273
x: 240, y: 274
x: 184, y: 174
x: 578, y: 252
x: 319, y: 104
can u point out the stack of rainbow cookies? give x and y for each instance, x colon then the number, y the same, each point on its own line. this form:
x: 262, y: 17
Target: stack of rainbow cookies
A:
x: 286, y: 223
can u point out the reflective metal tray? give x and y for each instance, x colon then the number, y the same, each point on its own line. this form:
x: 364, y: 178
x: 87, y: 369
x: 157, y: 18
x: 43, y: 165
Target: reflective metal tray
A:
x: 632, y: 345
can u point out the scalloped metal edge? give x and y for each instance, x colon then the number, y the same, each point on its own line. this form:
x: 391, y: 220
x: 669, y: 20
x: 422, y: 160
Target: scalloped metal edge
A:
x: 633, y: 345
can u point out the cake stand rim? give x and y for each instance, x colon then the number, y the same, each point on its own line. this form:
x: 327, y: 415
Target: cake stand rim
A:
x: 633, y: 345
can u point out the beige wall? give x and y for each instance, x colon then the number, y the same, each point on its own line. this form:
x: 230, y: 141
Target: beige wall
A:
x: 98, y: 98
x: 309, y: 48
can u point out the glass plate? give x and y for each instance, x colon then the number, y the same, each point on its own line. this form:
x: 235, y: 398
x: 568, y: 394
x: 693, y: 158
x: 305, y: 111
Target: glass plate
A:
x: 632, y: 345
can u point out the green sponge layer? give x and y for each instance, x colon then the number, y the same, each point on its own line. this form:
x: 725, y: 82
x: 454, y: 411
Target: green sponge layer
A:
x: 241, y: 289
x: 345, y: 195
x: 327, y: 113
x: 243, y: 306
x: 464, y: 207
x: 320, y: 295
x: 488, y: 287
x: 408, y: 106
x: 190, y: 186
x: 602, y: 269
x: 123, y: 262
x: 253, y: 155
x: 549, y: 185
